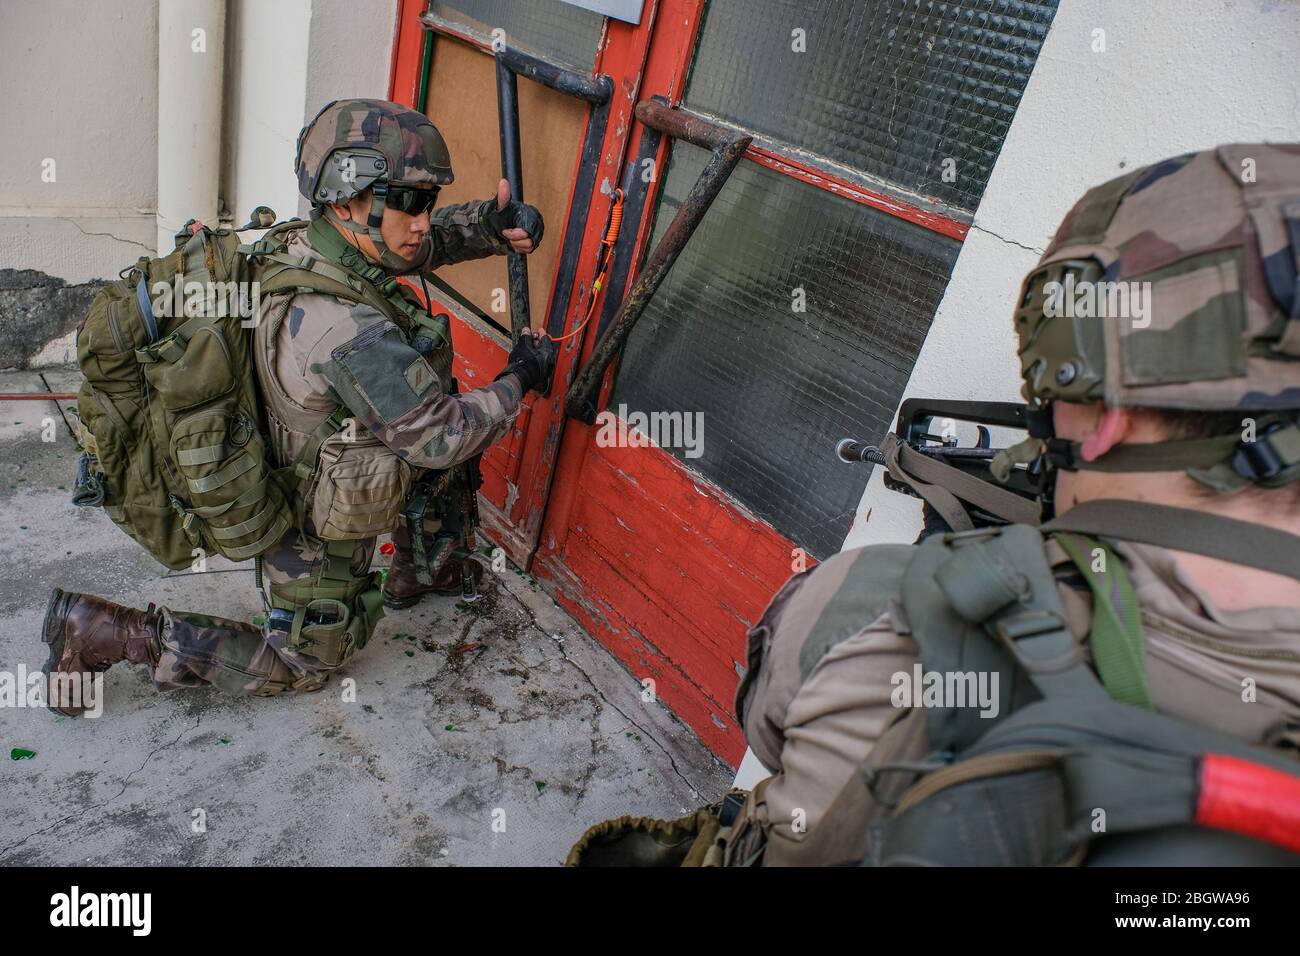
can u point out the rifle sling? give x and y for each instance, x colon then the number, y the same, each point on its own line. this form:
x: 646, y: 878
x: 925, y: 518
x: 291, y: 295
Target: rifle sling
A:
x: 1239, y: 542
x: 925, y: 474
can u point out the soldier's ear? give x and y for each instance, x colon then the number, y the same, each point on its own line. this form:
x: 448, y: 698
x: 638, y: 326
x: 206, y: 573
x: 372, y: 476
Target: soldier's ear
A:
x: 1112, y: 427
x: 341, y: 210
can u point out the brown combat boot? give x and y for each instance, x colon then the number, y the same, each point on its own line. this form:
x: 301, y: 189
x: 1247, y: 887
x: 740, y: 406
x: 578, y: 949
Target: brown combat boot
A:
x: 402, y: 588
x: 88, y: 634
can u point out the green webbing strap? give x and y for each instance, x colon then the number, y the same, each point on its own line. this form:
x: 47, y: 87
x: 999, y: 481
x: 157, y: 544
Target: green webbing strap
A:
x: 336, y: 565
x: 334, y: 581
x: 273, y: 534
x: 1118, y: 644
x: 298, y: 594
x: 305, y: 464
x: 244, y: 527
x: 203, y: 455
x: 251, y: 496
x: 1000, y: 580
x: 239, y: 465
x: 106, y: 403
x: 290, y: 272
x: 327, y: 241
x: 1238, y: 542
x: 298, y: 474
x: 280, y: 277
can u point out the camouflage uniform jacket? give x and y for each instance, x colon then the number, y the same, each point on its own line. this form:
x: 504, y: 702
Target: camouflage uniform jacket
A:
x: 323, y: 352
x: 829, y: 644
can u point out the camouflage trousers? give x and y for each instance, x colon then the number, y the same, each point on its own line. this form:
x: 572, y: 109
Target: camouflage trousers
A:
x: 339, y: 601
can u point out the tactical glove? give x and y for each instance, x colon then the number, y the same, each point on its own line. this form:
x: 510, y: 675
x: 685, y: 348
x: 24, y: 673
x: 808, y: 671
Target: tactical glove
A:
x: 533, y: 363
x: 516, y: 215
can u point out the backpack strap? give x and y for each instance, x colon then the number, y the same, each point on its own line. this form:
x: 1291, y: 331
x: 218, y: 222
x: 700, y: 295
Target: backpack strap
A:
x: 1118, y: 643
x: 286, y: 272
x: 987, y: 601
x: 1061, y: 779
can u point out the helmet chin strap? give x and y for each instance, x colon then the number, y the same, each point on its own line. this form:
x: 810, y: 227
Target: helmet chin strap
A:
x: 1225, y: 463
x: 391, y: 261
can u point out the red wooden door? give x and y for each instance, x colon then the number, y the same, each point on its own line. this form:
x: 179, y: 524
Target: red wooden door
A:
x: 666, y: 560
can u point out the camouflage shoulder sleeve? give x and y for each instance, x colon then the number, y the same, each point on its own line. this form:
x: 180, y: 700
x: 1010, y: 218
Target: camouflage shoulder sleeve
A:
x: 394, y: 392
x: 850, y: 593
x: 457, y: 233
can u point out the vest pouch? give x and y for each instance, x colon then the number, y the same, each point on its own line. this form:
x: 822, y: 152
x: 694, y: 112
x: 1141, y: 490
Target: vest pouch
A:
x: 202, y: 373
x: 361, y: 486
x: 331, y: 641
x: 231, y: 502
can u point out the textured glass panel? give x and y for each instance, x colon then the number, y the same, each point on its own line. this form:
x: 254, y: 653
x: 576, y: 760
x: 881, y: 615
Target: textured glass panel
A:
x: 555, y: 30
x: 889, y: 87
x: 779, y: 387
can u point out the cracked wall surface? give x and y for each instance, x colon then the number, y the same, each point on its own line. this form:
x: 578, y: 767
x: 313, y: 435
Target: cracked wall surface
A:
x: 36, y: 310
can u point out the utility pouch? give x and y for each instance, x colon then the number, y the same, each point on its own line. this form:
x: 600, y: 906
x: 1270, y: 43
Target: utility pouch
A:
x: 331, y: 641
x: 361, y: 485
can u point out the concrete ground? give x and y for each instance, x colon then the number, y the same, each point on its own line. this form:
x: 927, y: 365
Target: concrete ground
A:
x: 485, y: 734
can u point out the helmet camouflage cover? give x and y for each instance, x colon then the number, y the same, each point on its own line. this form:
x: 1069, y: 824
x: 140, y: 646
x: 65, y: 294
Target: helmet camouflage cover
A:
x: 1174, y: 286
x: 355, y: 145
x: 386, y: 141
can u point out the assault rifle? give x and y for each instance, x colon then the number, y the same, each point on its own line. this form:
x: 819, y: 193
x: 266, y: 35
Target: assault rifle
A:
x: 922, y: 458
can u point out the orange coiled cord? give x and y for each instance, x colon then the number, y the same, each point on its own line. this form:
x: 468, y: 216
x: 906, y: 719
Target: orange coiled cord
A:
x: 606, y: 257
x: 615, y: 220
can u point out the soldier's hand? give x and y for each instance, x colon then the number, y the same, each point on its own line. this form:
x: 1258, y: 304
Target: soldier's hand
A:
x: 516, y: 222
x: 533, y: 360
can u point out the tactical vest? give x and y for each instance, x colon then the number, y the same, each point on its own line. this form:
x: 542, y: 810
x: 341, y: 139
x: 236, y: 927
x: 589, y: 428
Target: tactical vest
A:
x: 358, y: 486
x: 1076, y: 767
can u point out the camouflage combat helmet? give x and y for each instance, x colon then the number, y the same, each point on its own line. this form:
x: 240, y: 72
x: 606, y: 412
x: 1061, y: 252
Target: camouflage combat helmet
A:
x: 1175, y: 287
x: 355, y: 145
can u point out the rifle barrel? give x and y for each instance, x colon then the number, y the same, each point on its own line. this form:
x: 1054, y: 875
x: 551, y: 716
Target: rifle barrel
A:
x: 853, y: 451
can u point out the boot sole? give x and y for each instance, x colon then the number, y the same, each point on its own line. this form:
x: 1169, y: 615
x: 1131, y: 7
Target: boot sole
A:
x: 397, y: 604
x: 55, y: 642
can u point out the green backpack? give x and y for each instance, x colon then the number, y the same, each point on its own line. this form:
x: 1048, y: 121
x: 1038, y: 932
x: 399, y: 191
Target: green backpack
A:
x: 1076, y: 766
x: 173, y: 442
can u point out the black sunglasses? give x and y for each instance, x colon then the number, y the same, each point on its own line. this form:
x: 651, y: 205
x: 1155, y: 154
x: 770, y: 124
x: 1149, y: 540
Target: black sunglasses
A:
x: 411, y: 201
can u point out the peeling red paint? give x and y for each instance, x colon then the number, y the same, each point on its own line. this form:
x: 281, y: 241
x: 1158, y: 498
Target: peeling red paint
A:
x: 661, y: 566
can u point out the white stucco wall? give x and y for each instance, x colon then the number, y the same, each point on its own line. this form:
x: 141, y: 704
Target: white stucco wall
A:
x: 79, y: 82
x: 81, y: 88
x: 350, y: 54
x: 266, y: 84
x: 308, y: 52
x: 1175, y: 76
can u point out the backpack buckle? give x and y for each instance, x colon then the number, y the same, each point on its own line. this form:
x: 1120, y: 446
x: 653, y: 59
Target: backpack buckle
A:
x: 1034, y: 638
